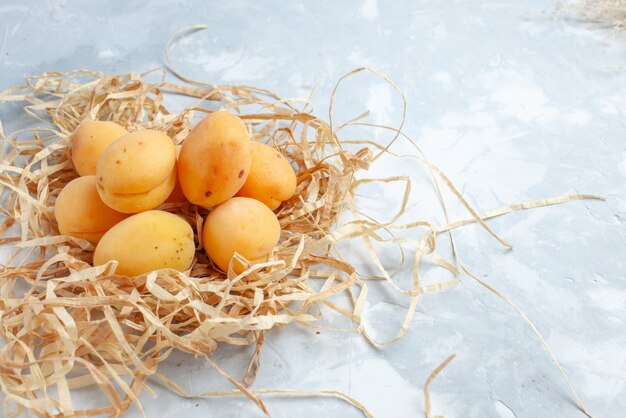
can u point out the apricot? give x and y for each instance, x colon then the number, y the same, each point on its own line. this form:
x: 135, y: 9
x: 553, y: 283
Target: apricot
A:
x: 81, y: 213
x: 89, y: 141
x: 271, y: 179
x: 137, y: 172
x: 147, y: 241
x: 215, y: 159
x: 242, y: 225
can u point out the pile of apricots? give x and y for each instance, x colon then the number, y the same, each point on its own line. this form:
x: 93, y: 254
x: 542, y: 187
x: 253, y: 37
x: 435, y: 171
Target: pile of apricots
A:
x: 125, y: 176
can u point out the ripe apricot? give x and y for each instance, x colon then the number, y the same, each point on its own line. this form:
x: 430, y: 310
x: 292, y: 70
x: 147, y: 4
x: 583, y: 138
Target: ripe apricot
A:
x: 215, y: 159
x: 147, y: 241
x: 81, y: 213
x: 271, y: 179
x: 89, y: 141
x: 242, y: 225
x: 137, y: 172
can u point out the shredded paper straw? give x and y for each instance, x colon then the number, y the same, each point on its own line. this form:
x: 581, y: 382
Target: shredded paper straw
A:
x: 70, y: 325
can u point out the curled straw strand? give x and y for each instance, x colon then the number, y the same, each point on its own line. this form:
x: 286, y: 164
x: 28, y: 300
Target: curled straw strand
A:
x: 429, y: 380
x: 289, y: 392
x: 68, y: 325
x: 532, y: 326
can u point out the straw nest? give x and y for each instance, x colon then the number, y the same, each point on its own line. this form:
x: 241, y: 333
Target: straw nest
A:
x: 69, y: 325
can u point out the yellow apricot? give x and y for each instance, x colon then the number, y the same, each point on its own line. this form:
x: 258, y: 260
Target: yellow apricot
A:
x: 147, y: 241
x: 215, y: 159
x: 137, y: 172
x: 271, y: 179
x: 242, y: 225
x: 88, y: 142
x: 81, y: 213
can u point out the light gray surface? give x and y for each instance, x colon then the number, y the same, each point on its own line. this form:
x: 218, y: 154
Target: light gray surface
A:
x: 512, y: 105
